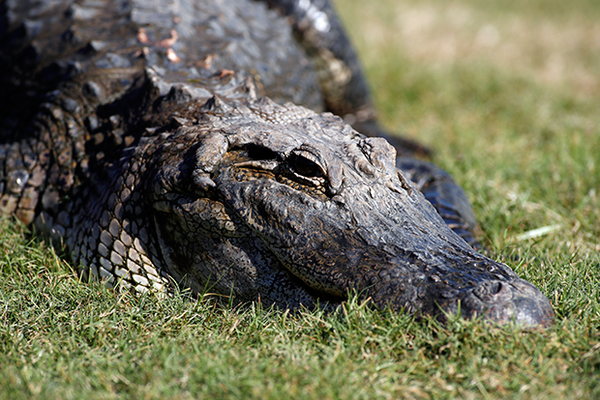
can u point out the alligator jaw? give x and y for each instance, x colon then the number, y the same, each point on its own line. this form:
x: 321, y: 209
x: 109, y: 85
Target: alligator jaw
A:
x: 482, y: 289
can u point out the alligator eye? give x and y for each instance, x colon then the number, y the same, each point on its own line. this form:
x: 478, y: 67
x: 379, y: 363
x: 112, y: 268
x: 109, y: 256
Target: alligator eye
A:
x: 258, y: 152
x: 305, y: 167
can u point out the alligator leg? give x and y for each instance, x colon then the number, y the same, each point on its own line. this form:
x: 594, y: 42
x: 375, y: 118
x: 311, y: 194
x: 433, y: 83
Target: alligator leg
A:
x: 344, y: 86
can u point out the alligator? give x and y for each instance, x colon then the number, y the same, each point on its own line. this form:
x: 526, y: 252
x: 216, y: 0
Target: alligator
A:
x: 231, y: 147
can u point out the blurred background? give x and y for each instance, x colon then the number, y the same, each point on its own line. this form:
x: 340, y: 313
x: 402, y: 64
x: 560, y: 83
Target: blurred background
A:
x: 508, y: 96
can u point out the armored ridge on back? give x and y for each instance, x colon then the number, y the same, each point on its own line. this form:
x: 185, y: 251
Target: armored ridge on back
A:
x: 158, y: 142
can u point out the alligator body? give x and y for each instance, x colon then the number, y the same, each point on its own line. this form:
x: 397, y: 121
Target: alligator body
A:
x: 184, y: 142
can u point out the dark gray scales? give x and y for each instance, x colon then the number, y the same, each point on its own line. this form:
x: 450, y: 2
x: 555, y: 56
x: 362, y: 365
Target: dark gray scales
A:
x: 204, y: 144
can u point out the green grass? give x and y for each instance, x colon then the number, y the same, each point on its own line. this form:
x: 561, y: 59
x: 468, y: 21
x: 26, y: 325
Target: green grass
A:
x: 518, y: 132
x: 60, y: 338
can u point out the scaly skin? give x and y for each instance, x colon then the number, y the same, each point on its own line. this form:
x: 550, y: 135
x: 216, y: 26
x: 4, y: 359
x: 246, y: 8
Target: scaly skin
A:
x: 140, y: 138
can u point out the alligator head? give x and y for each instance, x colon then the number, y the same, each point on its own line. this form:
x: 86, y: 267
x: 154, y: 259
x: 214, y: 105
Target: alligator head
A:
x: 291, y: 207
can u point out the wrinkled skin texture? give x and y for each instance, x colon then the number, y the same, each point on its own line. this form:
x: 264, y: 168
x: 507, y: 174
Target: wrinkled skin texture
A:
x: 140, y: 138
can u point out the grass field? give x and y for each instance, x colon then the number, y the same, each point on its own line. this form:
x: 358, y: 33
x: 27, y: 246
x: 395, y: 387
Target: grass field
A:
x: 508, y: 96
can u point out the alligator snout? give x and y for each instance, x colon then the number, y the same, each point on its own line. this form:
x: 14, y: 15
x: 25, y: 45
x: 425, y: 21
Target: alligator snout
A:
x: 443, y: 285
x: 503, y: 302
x: 500, y: 301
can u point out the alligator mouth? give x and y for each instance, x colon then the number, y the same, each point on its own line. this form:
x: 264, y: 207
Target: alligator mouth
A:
x: 494, y: 300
